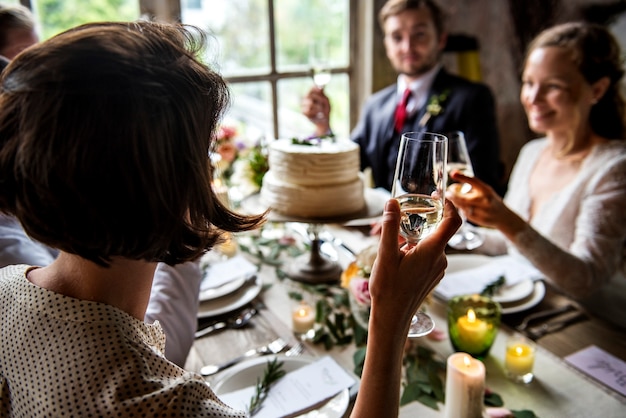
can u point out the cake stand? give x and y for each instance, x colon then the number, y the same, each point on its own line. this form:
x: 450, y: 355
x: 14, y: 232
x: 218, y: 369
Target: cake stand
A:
x: 315, y: 268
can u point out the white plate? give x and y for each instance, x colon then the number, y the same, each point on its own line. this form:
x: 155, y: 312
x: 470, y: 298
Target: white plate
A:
x: 517, y: 298
x: 534, y: 299
x: 231, y: 301
x: 223, y: 290
x: 458, y: 262
x: 515, y: 293
x: 245, y: 374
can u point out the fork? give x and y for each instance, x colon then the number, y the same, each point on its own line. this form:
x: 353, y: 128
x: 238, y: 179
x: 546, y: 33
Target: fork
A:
x: 542, y: 314
x: 274, y: 347
x: 295, y: 350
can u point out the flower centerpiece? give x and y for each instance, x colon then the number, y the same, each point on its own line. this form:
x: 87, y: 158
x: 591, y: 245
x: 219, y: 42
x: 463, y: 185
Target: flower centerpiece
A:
x: 242, y: 162
x: 356, y: 279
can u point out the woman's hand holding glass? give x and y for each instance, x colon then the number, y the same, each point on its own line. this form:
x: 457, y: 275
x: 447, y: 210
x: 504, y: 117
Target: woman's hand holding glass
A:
x: 418, y: 186
x: 403, y: 277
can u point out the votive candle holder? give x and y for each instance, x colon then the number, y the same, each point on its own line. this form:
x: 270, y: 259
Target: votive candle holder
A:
x: 473, y: 323
x: 519, y: 358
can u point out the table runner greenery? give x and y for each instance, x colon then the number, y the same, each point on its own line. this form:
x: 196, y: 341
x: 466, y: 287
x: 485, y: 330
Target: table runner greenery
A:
x: 335, y: 325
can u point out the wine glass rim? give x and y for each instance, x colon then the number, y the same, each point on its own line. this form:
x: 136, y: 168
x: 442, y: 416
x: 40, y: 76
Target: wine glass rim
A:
x: 424, y: 136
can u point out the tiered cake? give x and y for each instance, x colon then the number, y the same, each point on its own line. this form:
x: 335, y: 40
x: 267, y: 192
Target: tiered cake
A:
x: 313, y: 180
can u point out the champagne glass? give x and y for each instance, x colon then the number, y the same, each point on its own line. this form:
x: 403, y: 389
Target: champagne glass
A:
x: 467, y: 237
x: 419, y: 182
x: 319, y: 59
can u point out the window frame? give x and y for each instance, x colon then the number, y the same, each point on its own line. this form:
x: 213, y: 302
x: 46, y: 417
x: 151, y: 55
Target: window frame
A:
x: 359, y: 82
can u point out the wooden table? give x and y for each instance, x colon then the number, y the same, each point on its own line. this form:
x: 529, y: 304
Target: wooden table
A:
x: 559, y: 390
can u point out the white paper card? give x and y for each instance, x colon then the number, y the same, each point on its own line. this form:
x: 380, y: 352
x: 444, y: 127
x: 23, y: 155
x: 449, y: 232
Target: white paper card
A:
x: 219, y: 274
x: 602, y: 366
x: 297, y: 390
x: 475, y: 279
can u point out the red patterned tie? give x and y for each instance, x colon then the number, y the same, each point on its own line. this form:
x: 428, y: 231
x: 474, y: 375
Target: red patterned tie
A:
x: 400, y: 116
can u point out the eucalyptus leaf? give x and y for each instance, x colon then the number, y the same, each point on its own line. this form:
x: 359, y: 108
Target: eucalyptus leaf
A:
x: 411, y: 392
x: 493, y: 399
x: 524, y: 414
x: 428, y: 401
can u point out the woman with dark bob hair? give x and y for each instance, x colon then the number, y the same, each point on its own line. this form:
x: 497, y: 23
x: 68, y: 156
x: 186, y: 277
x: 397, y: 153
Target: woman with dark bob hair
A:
x: 564, y: 209
x: 104, y: 133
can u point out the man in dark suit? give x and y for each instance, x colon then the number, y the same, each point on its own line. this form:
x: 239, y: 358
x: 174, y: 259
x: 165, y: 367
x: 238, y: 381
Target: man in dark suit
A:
x: 437, y: 101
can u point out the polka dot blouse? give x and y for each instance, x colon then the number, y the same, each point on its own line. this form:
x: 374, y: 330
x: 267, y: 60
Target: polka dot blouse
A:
x: 65, y: 357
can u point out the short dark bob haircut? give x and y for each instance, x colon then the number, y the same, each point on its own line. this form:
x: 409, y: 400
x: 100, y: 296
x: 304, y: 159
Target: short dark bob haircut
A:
x: 104, y: 137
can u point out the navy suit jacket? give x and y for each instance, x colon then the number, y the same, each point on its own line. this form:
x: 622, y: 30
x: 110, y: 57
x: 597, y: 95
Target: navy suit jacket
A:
x: 469, y: 107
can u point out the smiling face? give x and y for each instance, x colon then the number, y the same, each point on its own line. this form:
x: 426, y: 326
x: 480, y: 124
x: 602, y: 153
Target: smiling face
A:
x: 412, y: 43
x: 555, y: 95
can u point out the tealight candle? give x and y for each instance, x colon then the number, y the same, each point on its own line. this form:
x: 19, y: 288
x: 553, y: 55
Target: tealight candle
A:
x: 228, y: 247
x: 465, y: 386
x: 519, y: 358
x: 303, y: 318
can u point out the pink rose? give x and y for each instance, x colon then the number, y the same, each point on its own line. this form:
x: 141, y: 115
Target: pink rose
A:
x: 226, y: 133
x: 228, y: 151
x: 361, y: 290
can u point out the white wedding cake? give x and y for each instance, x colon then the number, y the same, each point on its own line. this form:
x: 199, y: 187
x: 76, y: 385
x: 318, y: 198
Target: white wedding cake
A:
x: 319, y: 180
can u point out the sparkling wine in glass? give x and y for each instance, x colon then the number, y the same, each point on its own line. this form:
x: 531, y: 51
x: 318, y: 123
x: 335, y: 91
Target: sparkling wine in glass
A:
x: 419, y: 182
x: 467, y: 237
x: 319, y: 59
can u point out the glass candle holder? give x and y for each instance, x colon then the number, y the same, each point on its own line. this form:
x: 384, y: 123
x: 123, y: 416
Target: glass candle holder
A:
x: 519, y: 358
x: 473, y: 323
x: 303, y: 320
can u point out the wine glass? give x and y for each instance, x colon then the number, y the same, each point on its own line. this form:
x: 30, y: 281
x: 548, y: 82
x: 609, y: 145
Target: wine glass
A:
x: 467, y: 237
x: 419, y: 182
x: 319, y: 59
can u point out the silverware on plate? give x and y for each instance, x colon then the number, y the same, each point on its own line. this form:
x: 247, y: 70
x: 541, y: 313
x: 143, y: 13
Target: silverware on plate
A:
x: 274, y: 347
x: 241, y: 320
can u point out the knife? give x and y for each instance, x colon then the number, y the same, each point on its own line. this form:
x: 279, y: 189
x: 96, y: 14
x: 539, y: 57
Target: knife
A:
x: 557, y: 325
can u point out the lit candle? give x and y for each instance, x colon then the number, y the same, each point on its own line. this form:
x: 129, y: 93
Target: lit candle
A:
x: 228, y: 247
x: 465, y: 387
x: 472, y: 332
x: 519, y: 359
x: 303, y: 318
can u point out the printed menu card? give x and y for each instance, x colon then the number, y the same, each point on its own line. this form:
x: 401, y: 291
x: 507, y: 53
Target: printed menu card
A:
x: 297, y: 391
x: 602, y: 366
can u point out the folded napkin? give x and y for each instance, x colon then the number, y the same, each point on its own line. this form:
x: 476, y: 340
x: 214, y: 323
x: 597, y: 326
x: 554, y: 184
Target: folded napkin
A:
x: 218, y: 274
x: 297, y: 391
x: 474, y: 280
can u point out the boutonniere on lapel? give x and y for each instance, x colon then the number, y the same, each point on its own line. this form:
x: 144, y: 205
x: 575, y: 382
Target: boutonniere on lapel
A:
x: 434, y: 106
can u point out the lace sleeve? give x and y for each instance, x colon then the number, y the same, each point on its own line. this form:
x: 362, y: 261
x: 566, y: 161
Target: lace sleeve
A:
x: 596, y: 253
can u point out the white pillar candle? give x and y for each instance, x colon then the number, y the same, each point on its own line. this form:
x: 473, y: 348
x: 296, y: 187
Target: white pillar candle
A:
x: 465, y: 387
x: 303, y: 318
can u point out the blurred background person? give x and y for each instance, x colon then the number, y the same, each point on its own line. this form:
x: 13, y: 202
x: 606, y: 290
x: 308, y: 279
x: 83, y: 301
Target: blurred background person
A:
x: 564, y: 208
x: 17, y: 30
x: 426, y: 97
